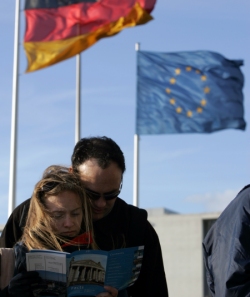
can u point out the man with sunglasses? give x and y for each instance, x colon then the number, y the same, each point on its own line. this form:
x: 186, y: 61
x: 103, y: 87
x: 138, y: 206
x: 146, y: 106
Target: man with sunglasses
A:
x: 101, y: 164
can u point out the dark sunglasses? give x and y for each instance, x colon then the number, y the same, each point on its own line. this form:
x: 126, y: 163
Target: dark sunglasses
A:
x: 109, y: 196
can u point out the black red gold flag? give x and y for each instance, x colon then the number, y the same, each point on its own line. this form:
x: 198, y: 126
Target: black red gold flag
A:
x: 59, y: 29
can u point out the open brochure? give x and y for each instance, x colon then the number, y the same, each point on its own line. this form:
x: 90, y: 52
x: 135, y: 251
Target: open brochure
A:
x: 84, y: 272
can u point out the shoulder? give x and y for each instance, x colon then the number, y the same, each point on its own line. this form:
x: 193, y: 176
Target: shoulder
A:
x: 136, y: 221
x: 131, y: 210
x: 20, y: 212
x: 13, y: 228
x: 245, y: 189
x: 234, y: 220
x: 237, y: 211
x: 124, y: 224
x: 130, y: 214
x: 238, y: 208
x: 23, y: 205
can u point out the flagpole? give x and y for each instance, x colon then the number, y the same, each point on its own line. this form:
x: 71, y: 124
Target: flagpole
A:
x: 78, y: 98
x: 14, y: 113
x: 136, y: 160
x: 136, y: 171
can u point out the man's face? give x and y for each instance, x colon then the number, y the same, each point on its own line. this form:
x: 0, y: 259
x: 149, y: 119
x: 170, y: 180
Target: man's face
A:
x: 102, y: 181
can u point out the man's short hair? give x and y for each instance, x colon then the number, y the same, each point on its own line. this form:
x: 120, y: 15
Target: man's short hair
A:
x: 103, y: 149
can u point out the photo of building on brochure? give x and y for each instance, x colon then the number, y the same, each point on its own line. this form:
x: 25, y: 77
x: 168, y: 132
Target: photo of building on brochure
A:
x: 86, y: 269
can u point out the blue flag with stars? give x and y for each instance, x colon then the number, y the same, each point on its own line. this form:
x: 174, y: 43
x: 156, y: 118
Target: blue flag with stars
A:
x: 188, y: 92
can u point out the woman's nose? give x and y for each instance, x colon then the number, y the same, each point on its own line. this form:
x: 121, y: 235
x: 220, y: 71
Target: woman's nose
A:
x: 68, y: 221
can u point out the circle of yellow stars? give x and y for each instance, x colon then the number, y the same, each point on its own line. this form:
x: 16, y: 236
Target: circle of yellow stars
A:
x: 203, y: 101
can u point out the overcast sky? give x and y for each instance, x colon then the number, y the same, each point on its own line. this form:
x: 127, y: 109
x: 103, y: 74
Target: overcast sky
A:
x: 187, y: 173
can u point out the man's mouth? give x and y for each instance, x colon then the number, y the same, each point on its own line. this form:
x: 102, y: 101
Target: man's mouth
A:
x: 97, y: 210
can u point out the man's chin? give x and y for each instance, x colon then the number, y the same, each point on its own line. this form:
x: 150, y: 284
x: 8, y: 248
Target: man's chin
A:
x: 97, y: 215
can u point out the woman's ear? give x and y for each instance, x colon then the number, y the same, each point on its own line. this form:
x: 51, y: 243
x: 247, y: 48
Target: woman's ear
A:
x: 70, y: 169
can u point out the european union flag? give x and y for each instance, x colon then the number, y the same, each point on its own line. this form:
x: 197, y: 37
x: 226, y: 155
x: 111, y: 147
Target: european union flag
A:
x: 188, y: 92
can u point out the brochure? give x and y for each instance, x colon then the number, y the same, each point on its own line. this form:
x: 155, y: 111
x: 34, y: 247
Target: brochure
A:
x: 84, y: 272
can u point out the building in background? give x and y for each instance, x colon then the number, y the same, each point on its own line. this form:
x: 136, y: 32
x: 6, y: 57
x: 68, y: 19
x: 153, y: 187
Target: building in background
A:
x: 181, y: 238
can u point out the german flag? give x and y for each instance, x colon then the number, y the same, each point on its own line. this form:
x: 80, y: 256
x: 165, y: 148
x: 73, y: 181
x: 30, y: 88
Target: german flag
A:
x: 59, y: 29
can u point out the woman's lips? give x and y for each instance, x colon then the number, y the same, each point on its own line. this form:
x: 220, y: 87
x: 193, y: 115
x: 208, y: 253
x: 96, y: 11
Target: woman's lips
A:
x: 71, y: 233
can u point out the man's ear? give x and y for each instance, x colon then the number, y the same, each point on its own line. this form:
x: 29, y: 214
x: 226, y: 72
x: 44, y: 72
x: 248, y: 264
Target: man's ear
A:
x: 70, y: 169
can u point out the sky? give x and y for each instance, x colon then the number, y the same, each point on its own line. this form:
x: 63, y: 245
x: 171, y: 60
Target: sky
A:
x: 187, y: 173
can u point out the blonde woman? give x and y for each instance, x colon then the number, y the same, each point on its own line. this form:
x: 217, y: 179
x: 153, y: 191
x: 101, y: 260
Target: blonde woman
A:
x: 60, y: 219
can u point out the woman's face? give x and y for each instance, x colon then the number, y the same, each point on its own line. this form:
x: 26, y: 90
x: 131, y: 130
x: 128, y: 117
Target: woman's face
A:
x: 66, y: 211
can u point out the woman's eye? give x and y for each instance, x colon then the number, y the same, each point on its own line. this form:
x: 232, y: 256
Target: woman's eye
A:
x: 57, y: 216
x: 75, y: 214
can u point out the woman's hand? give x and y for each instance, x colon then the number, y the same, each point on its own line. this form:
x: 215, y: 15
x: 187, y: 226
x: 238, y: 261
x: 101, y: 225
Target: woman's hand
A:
x: 112, y: 292
x: 21, y: 284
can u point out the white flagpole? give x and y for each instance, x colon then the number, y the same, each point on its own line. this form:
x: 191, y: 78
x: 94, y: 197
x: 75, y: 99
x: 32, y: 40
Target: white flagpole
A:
x: 13, y: 138
x: 136, y: 171
x: 136, y: 160
x: 78, y: 99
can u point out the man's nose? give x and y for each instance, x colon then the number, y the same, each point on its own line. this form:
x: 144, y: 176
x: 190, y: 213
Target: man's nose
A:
x: 101, y: 202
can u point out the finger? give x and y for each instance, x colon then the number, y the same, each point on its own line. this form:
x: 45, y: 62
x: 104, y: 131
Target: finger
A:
x: 105, y: 294
x: 112, y: 291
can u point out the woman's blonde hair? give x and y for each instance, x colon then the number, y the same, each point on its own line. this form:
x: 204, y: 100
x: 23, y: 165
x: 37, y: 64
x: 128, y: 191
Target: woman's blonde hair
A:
x: 38, y: 232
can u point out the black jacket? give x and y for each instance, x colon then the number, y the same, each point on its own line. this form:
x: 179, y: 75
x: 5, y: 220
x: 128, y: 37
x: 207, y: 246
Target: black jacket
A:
x: 125, y: 224
x: 226, y: 250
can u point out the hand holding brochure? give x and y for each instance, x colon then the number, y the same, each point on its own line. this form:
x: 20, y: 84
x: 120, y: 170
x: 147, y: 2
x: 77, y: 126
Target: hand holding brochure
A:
x: 84, y: 272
